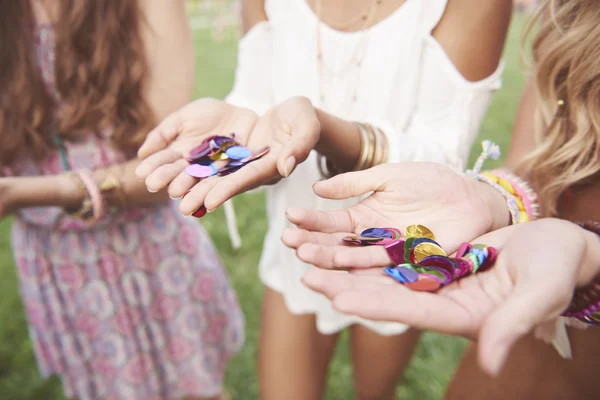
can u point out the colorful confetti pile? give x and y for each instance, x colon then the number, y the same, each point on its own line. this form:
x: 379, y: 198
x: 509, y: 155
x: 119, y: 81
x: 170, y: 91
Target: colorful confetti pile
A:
x: 204, y: 158
x: 422, y: 264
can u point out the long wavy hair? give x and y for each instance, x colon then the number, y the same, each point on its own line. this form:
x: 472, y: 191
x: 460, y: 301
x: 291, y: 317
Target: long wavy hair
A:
x: 566, y: 54
x: 100, y: 73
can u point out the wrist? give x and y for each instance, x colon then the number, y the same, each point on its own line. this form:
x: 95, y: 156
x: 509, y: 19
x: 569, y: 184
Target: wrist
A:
x: 339, y: 140
x: 322, y: 144
x: 590, y: 264
x: 495, y: 206
x: 70, y: 195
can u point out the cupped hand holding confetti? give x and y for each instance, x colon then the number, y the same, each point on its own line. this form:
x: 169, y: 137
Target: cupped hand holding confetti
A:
x: 290, y: 130
x: 454, y: 206
x: 539, y: 265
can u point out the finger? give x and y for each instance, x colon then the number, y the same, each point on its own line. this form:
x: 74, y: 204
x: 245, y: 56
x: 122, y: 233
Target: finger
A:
x: 351, y: 184
x: 294, y: 237
x: 164, y: 175
x: 528, y: 306
x: 377, y: 299
x: 343, y: 256
x: 368, y: 272
x: 160, y: 137
x: 196, y: 196
x: 182, y: 184
x: 247, y: 178
x: 321, y: 221
x: 156, y: 160
x: 303, y: 138
x: 332, y: 283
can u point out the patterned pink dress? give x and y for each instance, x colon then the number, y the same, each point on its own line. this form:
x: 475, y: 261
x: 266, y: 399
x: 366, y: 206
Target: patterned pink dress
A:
x: 137, y: 307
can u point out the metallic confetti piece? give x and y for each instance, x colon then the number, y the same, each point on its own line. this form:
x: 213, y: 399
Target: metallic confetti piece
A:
x: 422, y: 250
x: 463, y: 249
x: 490, y: 260
x: 418, y: 231
x: 219, y: 156
x: 440, y: 262
x: 238, y: 152
x: 408, y: 246
x: 201, y: 171
x: 396, y: 232
x: 395, y: 252
x: 256, y: 155
x: 377, y: 232
x: 483, y: 248
x: 424, y: 284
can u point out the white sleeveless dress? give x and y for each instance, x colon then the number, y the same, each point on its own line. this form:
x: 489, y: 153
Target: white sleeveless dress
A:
x: 406, y: 85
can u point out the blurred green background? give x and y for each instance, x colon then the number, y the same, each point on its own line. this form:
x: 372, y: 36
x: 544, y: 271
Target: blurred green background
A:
x: 437, y: 355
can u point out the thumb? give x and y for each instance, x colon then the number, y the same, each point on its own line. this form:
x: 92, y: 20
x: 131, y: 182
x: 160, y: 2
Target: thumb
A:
x: 527, y: 307
x: 162, y: 136
x: 303, y: 136
x: 351, y: 184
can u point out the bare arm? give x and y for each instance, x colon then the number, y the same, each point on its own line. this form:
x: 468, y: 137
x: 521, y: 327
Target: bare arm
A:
x: 473, y: 33
x: 523, y: 139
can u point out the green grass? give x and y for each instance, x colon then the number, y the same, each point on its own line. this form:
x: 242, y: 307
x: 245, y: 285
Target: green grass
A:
x: 436, y: 357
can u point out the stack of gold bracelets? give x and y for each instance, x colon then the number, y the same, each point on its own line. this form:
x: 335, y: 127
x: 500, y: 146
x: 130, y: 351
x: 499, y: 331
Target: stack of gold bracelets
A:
x: 374, y: 150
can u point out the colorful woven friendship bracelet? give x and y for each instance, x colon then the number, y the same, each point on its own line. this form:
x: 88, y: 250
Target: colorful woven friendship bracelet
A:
x: 521, y: 200
x: 421, y: 263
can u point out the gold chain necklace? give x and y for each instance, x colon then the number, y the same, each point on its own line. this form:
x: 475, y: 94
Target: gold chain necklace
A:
x: 354, y: 59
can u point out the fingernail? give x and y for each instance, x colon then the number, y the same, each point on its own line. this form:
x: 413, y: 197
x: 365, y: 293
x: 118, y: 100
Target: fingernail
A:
x: 290, y: 163
x: 152, y: 191
x: 201, y: 212
x: 289, y: 217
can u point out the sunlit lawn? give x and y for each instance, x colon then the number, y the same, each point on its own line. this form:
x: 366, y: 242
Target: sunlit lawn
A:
x: 436, y: 356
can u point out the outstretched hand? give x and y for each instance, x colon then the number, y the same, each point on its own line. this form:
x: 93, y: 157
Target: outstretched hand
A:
x: 453, y: 206
x: 291, y: 130
x: 497, y: 306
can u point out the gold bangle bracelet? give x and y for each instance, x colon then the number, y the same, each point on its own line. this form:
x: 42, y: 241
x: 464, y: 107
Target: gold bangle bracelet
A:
x: 386, y: 147
x: 111, y: 184
x: 364, y: 148
x: 382, y: 147
x: 371, y: 155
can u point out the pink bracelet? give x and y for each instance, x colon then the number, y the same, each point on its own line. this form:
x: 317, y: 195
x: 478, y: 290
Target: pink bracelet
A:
x: 98, y: 204
x: 528, y: 196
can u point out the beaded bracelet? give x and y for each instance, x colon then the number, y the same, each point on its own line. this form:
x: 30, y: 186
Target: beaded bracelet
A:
x: 585, y: 305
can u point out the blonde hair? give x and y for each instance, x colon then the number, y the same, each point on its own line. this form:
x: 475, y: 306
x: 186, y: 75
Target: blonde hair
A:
x: 566, y: 54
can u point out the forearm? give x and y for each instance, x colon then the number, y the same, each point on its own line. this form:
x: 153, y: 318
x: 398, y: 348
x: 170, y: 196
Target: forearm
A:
x: 133, y: 192
x: 339, y: 142
x: 64, y: 191
x: 590, y: 264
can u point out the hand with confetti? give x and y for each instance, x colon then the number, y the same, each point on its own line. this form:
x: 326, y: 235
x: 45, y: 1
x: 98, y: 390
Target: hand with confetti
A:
x: 496, y: 306
x: 456, y: 207
x: 290, y: 130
